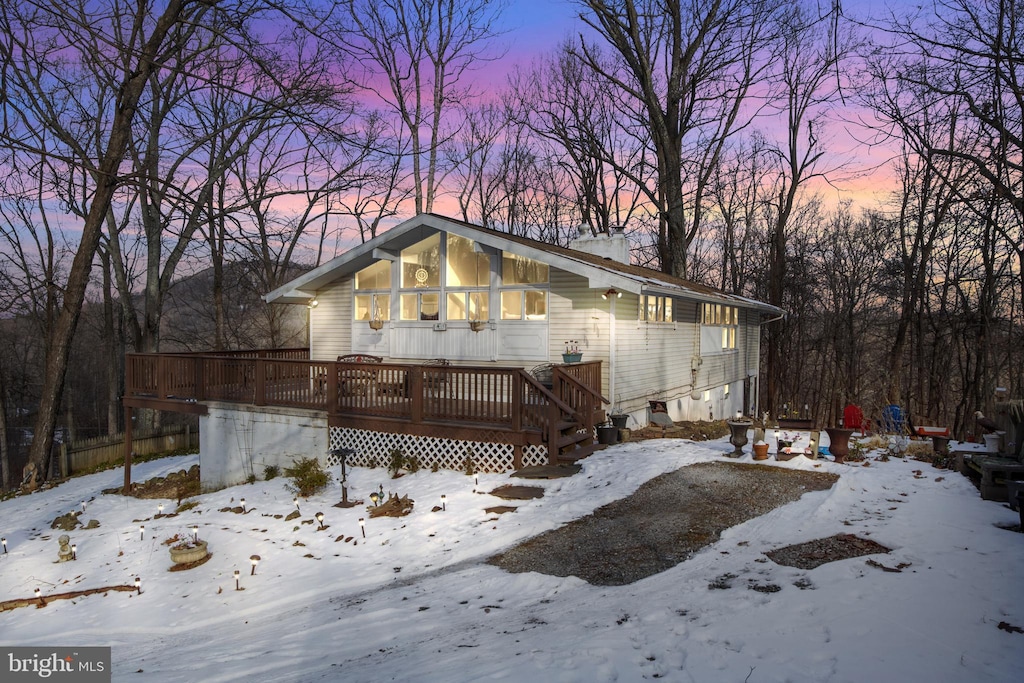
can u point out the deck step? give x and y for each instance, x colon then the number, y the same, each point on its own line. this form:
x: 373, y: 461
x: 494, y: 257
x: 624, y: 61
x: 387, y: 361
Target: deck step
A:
x: 573, y: 439
x: 580, y: 453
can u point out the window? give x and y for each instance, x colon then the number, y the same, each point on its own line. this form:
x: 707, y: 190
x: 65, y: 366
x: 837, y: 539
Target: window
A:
x: 529, y: 304
x: 467, y: 279
x: 420, y: 306
x: 371, y: 304
x: 421, y: 273
x: 473, y: 304
x: 421, y: 264
x: 719, y: 324
x: 656, y: 309
x: 523, y: 294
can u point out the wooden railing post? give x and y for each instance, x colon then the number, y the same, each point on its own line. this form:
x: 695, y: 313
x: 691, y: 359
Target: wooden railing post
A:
x: 517, y: 401
x: 332, y: 388
x: 416, y: 393
x: 261, y: 381
x: 161, y: 376
x: 199, y: 378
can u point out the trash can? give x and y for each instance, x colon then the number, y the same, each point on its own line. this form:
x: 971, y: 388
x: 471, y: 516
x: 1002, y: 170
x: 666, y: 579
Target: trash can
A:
x: 619, y: 421
x: 607, y: 434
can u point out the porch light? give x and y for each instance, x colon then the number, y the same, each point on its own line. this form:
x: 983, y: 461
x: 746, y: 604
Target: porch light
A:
x: 320, y: 519
x: 362, y: 526
x: 74, y: 551
x: 313, y: 303
x: 612, y: 292
x: 444, y: 500
x: 255, y: 559
x: 236, y: 580
x: 243, y: 505
x: 138, y: 585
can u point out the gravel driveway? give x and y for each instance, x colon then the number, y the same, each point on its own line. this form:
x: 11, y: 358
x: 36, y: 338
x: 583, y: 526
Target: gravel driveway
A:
x: 663, y: 523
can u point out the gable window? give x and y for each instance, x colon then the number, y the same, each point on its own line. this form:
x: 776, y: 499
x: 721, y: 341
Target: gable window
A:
x: 373, y: 292
x: 718, y: 326
x: 656, y: 309
x: 524, y: 294
x: 467, y: 279
x: 421, y: 280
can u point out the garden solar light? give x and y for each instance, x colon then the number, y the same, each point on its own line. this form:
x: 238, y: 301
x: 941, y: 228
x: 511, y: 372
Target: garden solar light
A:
x: 195, y: 533
x: 362, y: 525
x: 444, y: 500
x: 320, y: 519
x: 4, y: 541
x: 255, y: 559
x: 138, y: 585
x: 160, y: 508
x: 236, y: 580
x: 142, y: 531
x: 83, y: 506
x: 74, y: 551
x: 296, y: 501
x: 243, y: 505
x: 375, y: 498
x: 39, y: 596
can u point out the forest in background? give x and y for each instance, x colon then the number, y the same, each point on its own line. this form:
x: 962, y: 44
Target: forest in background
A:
x: 165, y: 164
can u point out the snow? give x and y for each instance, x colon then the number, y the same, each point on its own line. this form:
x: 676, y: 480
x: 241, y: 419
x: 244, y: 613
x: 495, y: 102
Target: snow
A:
x: 416, y: 600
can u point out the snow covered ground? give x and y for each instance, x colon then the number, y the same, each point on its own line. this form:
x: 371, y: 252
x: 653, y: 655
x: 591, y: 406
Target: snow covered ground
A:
x: 415, y: 601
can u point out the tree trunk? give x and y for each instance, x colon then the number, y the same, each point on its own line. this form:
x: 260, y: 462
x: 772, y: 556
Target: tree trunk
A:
x: 107, y: 180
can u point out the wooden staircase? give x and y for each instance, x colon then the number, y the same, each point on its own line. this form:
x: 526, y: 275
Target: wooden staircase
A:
x: 578, y: 396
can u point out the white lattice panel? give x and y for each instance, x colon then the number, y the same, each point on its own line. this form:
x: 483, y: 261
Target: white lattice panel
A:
x: 535, y: 455
x: 373, y: 449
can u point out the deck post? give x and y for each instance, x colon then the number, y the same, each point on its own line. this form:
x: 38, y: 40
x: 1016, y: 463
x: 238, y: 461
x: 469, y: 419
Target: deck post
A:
x: 416, y: 394
x: 199, y: 378
x: 517, y: 405
x: 127, y: 450
x: 261, y: 382
x: 331, y: 400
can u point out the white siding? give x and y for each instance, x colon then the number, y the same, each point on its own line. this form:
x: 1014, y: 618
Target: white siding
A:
x: 331, y: 322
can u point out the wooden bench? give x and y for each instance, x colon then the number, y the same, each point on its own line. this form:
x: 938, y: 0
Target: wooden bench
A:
x: 358, y: 382
x: 991, y: 471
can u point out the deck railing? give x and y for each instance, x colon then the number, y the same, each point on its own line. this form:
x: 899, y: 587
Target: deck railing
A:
x: 507, y: 398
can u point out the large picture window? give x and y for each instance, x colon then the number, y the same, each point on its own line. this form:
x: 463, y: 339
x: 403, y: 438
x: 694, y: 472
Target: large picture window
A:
x: 467, y: 279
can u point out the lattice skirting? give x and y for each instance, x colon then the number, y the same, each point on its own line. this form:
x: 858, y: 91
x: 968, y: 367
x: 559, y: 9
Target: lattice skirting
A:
x: 373, y: 449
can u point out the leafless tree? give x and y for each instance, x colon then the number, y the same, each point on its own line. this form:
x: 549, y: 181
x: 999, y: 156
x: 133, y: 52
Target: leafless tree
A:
x: 689, y: 66
x: 415, y: 54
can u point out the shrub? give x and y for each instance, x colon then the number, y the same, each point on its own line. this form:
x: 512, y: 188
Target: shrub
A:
x: 468, y: 466
x: 308, y: 477
x: 271, y: 472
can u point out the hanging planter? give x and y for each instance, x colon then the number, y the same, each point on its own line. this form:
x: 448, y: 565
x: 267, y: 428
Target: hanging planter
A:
x: 477, y: 325
x: 376, y: 324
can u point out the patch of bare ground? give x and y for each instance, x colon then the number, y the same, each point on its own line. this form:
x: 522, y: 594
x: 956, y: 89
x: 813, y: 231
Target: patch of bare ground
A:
x: 694, y: 431
x: 823, y: 550
x: 663, y: 523
x: 176, y: 485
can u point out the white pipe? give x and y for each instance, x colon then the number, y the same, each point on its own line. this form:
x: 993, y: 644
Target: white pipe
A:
x: 611, y: 350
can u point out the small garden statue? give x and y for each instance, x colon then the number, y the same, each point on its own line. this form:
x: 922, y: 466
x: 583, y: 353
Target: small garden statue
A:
x: 65, y: 554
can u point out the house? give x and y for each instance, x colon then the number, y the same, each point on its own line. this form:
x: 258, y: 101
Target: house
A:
x: 445, y: 340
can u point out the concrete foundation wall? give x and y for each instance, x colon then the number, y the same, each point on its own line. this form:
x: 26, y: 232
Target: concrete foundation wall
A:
x: 238, y: 442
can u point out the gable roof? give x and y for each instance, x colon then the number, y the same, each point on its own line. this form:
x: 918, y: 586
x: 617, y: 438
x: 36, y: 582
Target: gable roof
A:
x: 601, y: 272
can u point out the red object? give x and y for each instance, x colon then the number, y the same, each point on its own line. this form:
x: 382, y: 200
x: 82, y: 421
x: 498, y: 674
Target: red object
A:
x: 853, y: 417
x: 933, y: 431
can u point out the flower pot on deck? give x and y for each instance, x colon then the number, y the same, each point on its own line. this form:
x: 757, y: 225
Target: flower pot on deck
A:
x: 839, y: 442
x: 572, y: 357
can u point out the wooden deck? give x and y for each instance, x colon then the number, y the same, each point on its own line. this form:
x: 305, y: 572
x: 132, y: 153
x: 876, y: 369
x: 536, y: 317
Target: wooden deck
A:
x: 506, y: 405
